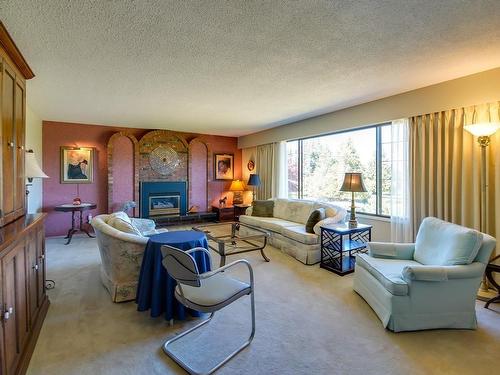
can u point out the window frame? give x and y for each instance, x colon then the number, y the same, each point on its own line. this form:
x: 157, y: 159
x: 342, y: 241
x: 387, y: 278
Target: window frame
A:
x: 378, y: 163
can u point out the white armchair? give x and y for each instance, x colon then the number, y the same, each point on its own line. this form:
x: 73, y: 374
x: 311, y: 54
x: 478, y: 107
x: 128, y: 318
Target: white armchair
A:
x: 430, y: 284
x: 121, y: 253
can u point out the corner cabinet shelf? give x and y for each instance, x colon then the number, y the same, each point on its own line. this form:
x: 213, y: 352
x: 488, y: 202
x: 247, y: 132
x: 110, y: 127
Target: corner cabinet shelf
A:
x: 340, y: 244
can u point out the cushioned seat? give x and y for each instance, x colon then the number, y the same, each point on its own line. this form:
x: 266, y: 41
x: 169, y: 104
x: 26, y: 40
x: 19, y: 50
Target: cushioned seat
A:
x: 299, y: 234
x: 269, y: 223
x: 213, y: 293
x: 387, y: 271
x: 429, y: 284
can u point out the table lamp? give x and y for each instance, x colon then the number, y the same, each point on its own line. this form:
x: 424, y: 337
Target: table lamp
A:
x: 353, y: 182
x: 254, y: 181
x: 33, y: 170
x: 237, y: 188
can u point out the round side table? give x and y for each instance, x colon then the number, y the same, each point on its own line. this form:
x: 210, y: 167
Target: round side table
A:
x: 76, y: 223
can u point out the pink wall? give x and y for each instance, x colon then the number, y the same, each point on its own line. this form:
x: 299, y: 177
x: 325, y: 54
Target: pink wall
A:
x: 123, y: 172
x: 57, y: 134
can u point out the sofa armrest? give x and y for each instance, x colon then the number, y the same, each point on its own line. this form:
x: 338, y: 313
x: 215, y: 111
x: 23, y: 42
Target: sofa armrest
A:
x: 144, y: 225
x: 442, y: 273
x: 389, y: 250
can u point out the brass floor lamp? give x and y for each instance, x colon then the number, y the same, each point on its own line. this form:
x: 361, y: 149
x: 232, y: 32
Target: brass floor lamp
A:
x: 483, y: 132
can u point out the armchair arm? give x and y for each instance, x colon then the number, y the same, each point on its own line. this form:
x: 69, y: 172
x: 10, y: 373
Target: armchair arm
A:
x: 206, y: 275
x: 442, y: 273
x: 389, y: 250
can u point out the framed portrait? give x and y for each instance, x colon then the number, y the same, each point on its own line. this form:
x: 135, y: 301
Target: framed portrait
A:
x: 224, y: 167
x: 77, y: 165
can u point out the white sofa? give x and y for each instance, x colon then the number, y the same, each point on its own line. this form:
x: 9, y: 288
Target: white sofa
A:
x: 287, y: 227
x: 121, y: 254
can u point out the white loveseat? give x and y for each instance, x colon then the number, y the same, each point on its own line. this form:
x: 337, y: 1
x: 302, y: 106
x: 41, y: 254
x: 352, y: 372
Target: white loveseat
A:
x: 287, y: 226
x: 121, y: 254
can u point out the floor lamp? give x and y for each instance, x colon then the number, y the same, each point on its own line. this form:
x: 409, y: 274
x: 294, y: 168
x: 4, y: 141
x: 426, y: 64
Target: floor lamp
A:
x: 483, y: 131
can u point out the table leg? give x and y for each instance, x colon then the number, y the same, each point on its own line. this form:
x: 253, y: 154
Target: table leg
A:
x: 72, y: 230
x: 491, y: 279
x: 82, y: 228
x: 222, y: 253
x: 262, y: 251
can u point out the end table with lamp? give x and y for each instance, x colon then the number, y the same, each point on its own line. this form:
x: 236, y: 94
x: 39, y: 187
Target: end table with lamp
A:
x: 353, y: 183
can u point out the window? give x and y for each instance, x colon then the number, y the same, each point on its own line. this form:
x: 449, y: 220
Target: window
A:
x: 316, y: 167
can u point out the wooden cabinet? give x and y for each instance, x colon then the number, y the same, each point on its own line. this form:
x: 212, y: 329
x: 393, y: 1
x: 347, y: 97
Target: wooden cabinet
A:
x: 23, y: 302
x: 13, y: 74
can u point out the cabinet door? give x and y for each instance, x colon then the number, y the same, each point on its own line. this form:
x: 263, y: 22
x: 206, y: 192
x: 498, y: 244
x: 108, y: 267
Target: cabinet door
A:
x: 8, y: 142
x: 15, y: 325
x: 19, y: 127
x: 40, y: 239
x: 31, y: 252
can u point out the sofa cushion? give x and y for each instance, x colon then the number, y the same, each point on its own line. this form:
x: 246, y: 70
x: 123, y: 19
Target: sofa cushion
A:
x: 293, y: 209
x: 316, y: 216
x: 440, y: 243
x: 269, y: 223
x: 298, y: 233
x: 387, y: 271
x: 263, y: 208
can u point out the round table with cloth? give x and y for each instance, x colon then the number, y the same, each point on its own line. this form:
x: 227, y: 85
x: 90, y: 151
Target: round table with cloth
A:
x: 156, y: 288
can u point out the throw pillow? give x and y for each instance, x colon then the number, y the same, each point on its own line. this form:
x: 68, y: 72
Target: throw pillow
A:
x: 124, y: 226
x: 263, y: 208
x: 315, y: 216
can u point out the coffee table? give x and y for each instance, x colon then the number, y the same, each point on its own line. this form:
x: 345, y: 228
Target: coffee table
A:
x: 234, y: 238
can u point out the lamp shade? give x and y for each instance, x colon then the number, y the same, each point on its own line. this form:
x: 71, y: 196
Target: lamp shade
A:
x: 33, y: 170
x: 236, y: 185
x: 353, y: 182
x: 483, y: 129
x: 254, y: 180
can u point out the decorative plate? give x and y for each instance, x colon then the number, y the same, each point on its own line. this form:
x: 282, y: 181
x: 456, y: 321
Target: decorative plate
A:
x: 251, y: 165
x: 164, y: 160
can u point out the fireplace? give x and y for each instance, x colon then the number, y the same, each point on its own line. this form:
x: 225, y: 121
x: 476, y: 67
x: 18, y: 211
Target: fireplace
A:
x: 163, y: 199
x: 164, y: 205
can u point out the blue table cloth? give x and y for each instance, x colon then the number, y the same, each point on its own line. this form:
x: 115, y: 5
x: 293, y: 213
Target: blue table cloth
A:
x: 156, y: 288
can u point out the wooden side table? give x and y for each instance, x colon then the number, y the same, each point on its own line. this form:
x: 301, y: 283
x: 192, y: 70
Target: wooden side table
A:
x: 224, y: 213
x: 493, y: 267
x: 340, y: 244
x: 74, y: 208
x: 239, y: 209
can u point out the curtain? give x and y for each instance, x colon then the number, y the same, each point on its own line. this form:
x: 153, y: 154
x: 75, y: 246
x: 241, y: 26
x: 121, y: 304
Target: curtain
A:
x: 401, y: 218
x: 445, y: 165
x: 264, y: 164
x: 280, y: 171
x: 271, y: 165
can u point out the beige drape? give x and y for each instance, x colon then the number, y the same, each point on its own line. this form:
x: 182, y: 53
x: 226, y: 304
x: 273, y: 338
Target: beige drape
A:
x: 445, y: 168
x: 264, y: 163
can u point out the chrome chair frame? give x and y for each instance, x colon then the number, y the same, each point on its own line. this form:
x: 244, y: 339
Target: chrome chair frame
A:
x: 186, y: 303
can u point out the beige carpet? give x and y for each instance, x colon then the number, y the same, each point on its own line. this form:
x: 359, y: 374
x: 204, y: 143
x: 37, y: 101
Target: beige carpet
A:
x: 309, y: 321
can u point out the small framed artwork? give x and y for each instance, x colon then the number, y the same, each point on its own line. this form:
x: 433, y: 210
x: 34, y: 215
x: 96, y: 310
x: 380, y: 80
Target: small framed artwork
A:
x: 77, y: 165
x: 224, y: 166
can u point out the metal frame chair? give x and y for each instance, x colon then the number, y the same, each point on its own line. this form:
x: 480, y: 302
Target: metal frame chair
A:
x: 182, y: 267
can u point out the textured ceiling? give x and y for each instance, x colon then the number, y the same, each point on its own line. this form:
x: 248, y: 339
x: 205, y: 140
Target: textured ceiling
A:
x: 236, y: 67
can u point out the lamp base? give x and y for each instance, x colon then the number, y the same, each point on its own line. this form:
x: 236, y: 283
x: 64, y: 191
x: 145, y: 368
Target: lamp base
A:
x: 237, y: 197
x: 352, y: 224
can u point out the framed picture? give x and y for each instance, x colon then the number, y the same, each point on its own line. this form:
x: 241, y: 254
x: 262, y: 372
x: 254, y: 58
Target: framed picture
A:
x: 77, y: 165
x: 224, y: 167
